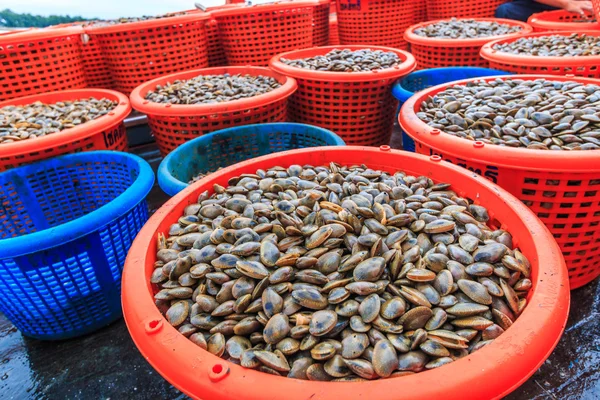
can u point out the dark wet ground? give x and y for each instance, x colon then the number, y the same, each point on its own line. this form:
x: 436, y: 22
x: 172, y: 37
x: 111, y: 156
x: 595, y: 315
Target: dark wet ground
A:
x: 107, y: 365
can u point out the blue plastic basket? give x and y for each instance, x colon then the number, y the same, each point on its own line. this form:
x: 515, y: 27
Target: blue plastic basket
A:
x: 226, y: 147
x: 66, y: 225
x: 419, y: 80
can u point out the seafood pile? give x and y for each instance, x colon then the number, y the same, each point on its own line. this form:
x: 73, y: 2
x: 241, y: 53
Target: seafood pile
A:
x: 465, y: 29
x: 574, y: 45
x: 338, y: 273
x: 537, y: 114
x: 347, y: 61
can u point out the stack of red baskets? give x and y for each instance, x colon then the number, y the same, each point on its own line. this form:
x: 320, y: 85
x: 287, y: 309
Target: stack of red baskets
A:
x: 37, y: 61
x: 321, y: 23
x: 358, y: 106
x: 104, y: 133
x: 252, y: 35
x: 586, y: 66
x: 374, y: 22
x: 139, y: 51
x: 443, y: 9
x: 561, y: 20
x: 334, y: 34
x: 437, y: 52
x: 175, y: 124
x: 561, y: 187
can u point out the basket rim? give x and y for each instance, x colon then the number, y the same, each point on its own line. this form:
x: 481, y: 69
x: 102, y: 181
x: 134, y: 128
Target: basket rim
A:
x: 537, y: 21
x: 411, y: 37
x: 88, y: 223
x: 504, y: 156
x: 268, y: 7
x: 148, y: 24
x: 490, y: 54
x: 408, y: 65
x: 548, y: 307
x: 138, y: 102
x: 30, y: 34
x: 82, y: 131
x: 168, y: 183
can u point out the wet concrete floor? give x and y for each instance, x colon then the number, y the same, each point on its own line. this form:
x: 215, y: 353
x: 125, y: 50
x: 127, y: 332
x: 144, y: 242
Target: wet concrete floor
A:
x: 107, y: 365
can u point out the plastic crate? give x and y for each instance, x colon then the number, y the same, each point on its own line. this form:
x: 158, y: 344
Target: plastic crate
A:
x: 585, y: 66
x: 358, y: 106
x: 140, y: 51
x: 406, y: 87
x: 40, y: 60
x: 221, y: 149
x: 561, y: 187
x: 561, y: 20
x: 104, y: 133
x: 436, y: 53
x: 442, y: 9
x: 321, y: 23
x: 175, y: 124
x: 489, y: 373
x: 66, y: 226
x: 376, y: 22
x: 252, y: 35
x: 334, y: 34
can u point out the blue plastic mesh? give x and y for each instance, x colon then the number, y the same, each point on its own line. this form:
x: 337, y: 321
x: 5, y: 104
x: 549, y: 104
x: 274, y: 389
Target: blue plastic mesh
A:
x: 73, y: 287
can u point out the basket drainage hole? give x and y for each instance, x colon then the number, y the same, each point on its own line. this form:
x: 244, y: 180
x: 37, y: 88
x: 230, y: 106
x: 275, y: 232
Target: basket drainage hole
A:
x: 217, y: 368
x: 154, y: 324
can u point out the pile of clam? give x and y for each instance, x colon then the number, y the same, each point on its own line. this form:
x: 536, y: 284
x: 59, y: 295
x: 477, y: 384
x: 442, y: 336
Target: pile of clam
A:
x: 346, y: 60
x: 338, y: 273
x: 18, y: 123
x: 574, y: 45
x: 465, y: 29
x: 536, y: 114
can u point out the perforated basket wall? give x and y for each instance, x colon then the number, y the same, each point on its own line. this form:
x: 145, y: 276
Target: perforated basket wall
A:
x: 441, y: 9
x: 334, y: 34
x: 378, y: 23
x: 420, y: 11
x: 37, y: 61
x: 140, y: 51
x: 359, y: 107
x: 104, y: 133
x: 67, y: 283
x: 596, y: 4
x: 252, y: 35
x: 437, y: 53
x: 95, y: 65
x: 562, y: 188
x: 321, y: 23
x: 561, y: 20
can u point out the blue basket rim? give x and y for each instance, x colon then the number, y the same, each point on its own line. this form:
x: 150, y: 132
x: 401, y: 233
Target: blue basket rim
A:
x: 74, y: 229
x: 171, y: 185
x: 400, y: 93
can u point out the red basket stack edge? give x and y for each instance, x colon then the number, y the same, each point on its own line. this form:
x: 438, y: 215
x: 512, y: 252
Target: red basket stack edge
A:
x: 40, y: 60
x: 321, y: 23
x: 358, y: 106
x: 175, y: 124
x: 103, y: 133
x: 334, y: 35
x: 561, y: 187
x: 374, y: 22
x: 420, y: 11
x: 437, y: 52
x: 561, y: 20
x: 444, y: 9
x: 215, y: 51
x: 139, y: 51
x: 586, y: 66
x: 252, y: 35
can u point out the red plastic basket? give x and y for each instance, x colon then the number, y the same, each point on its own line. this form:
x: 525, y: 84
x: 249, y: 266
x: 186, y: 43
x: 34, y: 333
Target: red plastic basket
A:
x: 562, y: 188
x: 40, y: 60
x: 174, y: 124
x: 588, y: 66
x: 436, y: 53
x: 252, y: 35
x: 444, y: 9
x: 139, y: 51
x: 490, y: 373
x: 561, y: 20
x: 334, y: 34
x: 596, y: 4
x: 321, y: 23
x: 358, y: 106
x: 104, y: 133
x: 375, y: 22
x: 420, y: 11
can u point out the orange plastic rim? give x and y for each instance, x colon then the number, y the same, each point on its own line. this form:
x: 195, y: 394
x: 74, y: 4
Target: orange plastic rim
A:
x: 489, y: 373
x: 279, y: 6
x: 138, y: 101
x: 36, y: 34
x: 562, y: 188
x: 560, y: 20
x: 148, y: 24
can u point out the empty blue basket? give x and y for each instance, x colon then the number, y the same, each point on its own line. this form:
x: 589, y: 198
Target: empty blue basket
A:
x: 419, y: 80
x: 226, y: 147
x: 66, y: 225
